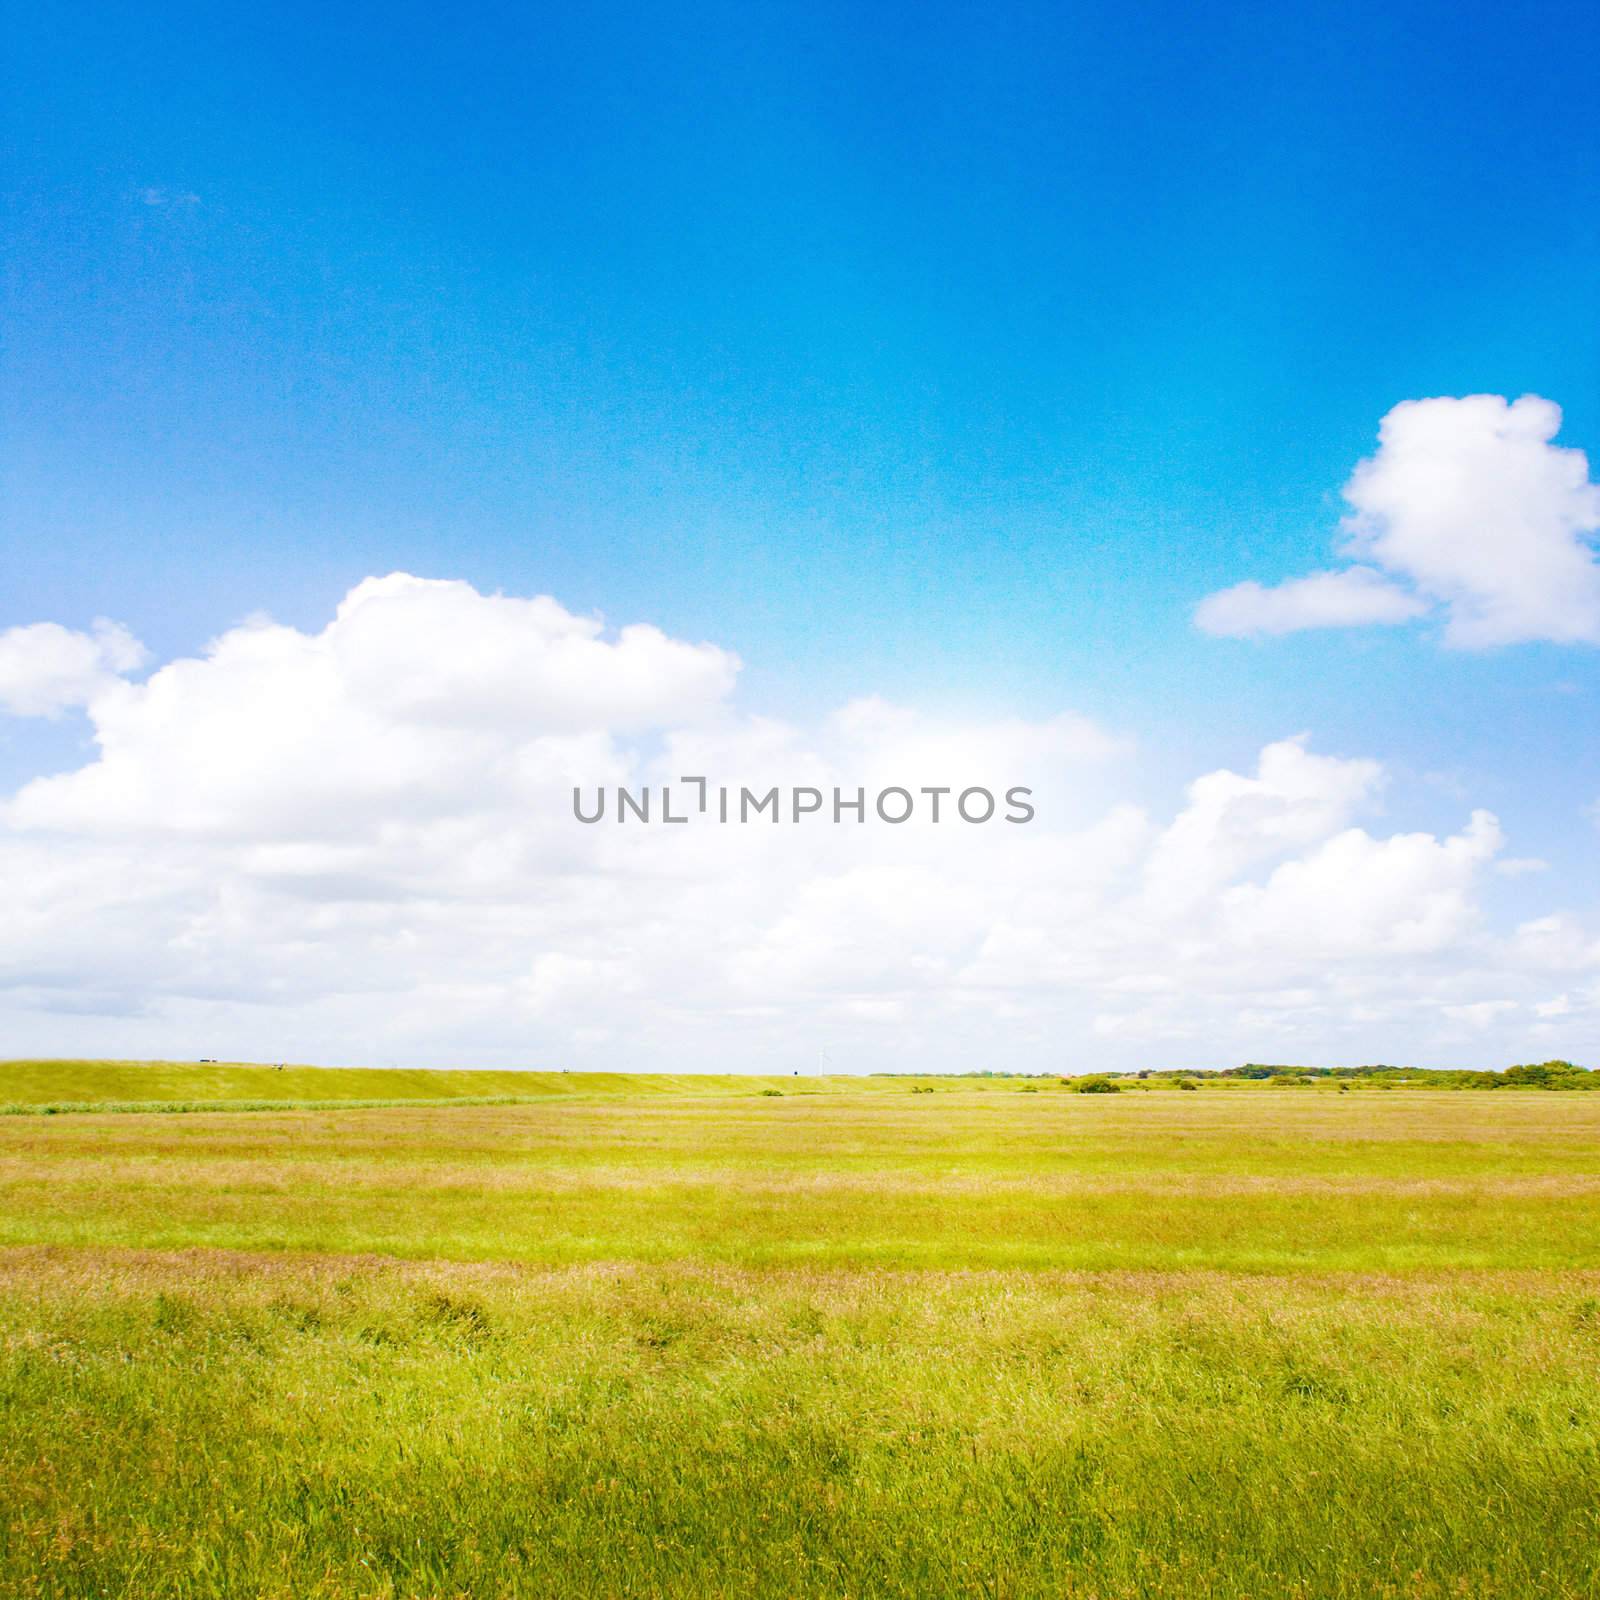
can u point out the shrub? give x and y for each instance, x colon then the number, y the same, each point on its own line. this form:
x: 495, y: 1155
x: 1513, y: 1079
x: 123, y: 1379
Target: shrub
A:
x: 1546, y: 1075
x: 1095, y: 1083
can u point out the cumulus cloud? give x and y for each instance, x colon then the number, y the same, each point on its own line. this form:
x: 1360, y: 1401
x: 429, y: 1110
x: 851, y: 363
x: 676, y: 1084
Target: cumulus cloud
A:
x: 1352, y: 597
x: 430, y: 651
x: 1467, y: 507
x: 357, y: 843
x: 421, y: 698
x: 1471, y: 501
x: 1234, y: 821
x: 46, y: 669
x: 1408, y: 894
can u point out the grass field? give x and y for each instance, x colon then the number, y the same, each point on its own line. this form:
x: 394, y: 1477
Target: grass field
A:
x: 615, y: 1336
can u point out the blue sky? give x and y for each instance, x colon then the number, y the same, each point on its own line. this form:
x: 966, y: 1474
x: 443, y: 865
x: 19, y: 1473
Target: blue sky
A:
x: 946, y: 353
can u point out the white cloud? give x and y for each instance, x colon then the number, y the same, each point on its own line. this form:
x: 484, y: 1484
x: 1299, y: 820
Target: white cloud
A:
x: 1471, y: 501
x: 358, y: 844
x: 1233, y: 822
x: 420, y: 698
x: 896, y: 740
x: 435, y: 652
x: 1481, y: 1014
x: 1410, y: 893
x: 46, y: 669
x: 1349, y: 598
x: 1466, y: 505
x: 1554, y: 943
x: 1520, y: 866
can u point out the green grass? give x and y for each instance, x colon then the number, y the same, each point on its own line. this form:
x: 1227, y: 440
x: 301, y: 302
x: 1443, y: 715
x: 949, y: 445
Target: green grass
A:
x: 682, y: 1338
x: 1247, y: 1180
x: 185, y: 1085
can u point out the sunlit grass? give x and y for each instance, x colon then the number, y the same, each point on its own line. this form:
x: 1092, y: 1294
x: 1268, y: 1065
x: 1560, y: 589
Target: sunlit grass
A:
x: 225, y: 1426
x: 700, y: 1341
x: 185, y: 1084
x: 1248, y: 1180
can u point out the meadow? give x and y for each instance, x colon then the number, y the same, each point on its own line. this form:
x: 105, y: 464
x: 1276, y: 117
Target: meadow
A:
x: 447, y: 1335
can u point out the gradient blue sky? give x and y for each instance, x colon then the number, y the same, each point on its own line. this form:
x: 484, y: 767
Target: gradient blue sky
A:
x: 945, y: 352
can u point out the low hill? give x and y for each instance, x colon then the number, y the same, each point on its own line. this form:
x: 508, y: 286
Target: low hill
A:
x: 73, y: 1083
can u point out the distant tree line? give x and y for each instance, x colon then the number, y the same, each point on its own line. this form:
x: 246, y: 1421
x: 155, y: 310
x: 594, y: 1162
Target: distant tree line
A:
x: 1532, y: 1075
